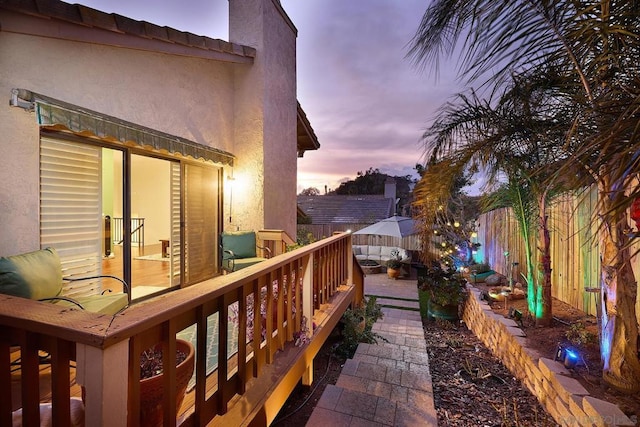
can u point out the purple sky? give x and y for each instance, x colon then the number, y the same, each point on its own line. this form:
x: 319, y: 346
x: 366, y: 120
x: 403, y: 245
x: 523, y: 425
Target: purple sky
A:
x: 367, y: 104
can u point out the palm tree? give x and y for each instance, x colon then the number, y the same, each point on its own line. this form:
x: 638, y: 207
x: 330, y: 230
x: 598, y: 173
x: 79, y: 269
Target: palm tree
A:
x: 598, y: 44
x: 516, y: 138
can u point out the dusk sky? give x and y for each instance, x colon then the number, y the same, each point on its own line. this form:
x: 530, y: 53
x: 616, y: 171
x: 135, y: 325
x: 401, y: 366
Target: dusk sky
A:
x: 365, y: 100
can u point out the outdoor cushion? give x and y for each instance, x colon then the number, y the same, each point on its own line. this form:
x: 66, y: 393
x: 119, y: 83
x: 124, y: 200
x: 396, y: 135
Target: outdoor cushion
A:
x: 374, y: 250
x: 37, y: 275
x: 479, y: 268
x: 108, y: 303
x: 34, y: 275
x: 403, y: 254
x: 242, y: 244
x: 239, y: 264
x: 380, y: 254
x: 388, y: 251
x: 480, y: 277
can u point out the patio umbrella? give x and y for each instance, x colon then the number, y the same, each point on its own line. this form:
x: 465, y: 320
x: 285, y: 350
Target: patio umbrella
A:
x: 395, y: 226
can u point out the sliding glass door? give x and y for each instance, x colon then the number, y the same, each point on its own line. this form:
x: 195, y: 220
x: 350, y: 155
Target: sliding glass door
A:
x: 201, y: 209
x: 153, y: 221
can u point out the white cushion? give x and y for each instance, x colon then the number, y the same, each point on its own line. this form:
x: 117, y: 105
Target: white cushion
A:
x: 385, y: 251
x: 374, y: 250
x: 357, y: 250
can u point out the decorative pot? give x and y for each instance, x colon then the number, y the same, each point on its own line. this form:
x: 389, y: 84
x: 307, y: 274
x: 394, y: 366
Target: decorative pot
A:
x: 151, y: 390
x: 437, y: 311
x: 393, y: 273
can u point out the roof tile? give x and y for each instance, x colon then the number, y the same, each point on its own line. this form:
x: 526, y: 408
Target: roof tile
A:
x: 155, y: 31
x: 59, y: 9
x: 130, y: 26
x: 196, y: 40
x: 351, y: 209
x: 177, y: 36
x: 89, y: 17
x: 96, y: 18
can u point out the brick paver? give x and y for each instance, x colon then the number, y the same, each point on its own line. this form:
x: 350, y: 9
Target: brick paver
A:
x: 389, y: 383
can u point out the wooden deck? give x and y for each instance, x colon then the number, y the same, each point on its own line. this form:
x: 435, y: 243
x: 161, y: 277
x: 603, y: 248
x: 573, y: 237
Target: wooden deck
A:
x: 289, y: 369
x: 322, y: 279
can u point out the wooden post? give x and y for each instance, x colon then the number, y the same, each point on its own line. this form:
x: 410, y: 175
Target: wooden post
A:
x: 104, y: 376
x: 307, y: 309
x: 349, y: 260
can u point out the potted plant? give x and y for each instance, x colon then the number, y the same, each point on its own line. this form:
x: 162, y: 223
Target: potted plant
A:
x: 394, y: 265
x: 446, y: 290
x: 151, y: 389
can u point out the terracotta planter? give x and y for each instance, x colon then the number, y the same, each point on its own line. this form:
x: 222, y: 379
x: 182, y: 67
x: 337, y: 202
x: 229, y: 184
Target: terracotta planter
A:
x: 151, y: 389
x: 393, y: 273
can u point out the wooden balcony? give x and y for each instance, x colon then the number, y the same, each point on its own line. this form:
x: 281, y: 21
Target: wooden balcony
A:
x: 97, y: 357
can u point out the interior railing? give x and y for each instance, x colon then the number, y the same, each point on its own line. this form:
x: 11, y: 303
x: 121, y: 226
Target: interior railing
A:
x: 97, y: 357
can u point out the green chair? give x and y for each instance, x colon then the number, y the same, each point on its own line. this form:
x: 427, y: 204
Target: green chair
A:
x: 37, y: 275
x: 239, y: 250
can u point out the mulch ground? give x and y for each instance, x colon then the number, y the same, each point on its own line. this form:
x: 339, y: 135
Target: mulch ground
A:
x: 588, y: 371
x: 471, y: 386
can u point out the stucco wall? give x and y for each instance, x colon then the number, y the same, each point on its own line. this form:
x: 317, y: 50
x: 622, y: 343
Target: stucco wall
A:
x: 191, y: 98
x: 246, y: 109
x: 266, y: 136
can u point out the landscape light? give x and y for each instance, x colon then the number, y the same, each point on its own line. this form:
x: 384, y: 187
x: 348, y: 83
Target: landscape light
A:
x: 568, y: 356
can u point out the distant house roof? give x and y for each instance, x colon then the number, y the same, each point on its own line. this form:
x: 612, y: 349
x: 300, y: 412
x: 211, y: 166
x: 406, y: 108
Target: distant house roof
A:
x: 61, y: 20
x: 356, y: 209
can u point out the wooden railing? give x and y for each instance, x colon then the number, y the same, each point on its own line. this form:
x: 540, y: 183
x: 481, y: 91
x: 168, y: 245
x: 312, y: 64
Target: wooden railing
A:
x: 276, y: 240
x: 313, y: 284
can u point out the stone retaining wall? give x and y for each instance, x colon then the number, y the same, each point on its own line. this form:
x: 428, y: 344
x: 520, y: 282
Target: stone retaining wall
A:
x: 562, y: 396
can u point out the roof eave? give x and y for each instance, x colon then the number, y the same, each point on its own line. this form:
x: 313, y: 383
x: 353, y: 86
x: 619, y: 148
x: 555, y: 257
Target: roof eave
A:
x: 307, y: 139
x: 73, y: 22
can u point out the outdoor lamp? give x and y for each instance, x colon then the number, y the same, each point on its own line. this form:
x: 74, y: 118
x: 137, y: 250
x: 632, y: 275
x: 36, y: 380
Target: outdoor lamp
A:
x: 568, y: 356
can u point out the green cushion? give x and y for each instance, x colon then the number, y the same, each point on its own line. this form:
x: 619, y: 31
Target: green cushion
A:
x: 239, y: 264
x: 241, y: 243
x: 33, y: 275
x: 481, y: 277
x: 109, y: 303
x: 479, y: 268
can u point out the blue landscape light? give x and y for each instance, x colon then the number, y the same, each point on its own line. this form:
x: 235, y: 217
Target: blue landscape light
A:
x: 571, y: 354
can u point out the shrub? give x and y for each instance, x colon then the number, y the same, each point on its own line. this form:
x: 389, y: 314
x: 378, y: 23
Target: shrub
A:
x: 444, y: 286
x: 578, y: 335
x: 353, y: 333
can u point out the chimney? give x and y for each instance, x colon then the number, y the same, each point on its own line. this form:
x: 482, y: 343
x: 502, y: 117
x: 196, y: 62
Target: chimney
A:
x: 390, y: 188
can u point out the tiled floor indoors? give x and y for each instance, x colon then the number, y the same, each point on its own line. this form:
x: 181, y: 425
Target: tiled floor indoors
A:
x: 385, y: 384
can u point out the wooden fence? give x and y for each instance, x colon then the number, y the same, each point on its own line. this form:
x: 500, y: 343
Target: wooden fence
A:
x: 575, y: 258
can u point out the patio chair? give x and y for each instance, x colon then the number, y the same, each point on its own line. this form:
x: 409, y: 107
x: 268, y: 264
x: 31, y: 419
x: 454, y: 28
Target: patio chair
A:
x: 37, y: 275
x: 240, y: 250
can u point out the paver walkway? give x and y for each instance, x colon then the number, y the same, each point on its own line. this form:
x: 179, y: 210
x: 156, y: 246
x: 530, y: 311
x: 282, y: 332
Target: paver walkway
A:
x: 385, y: 384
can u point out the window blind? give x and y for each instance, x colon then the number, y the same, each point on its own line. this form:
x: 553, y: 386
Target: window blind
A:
x: 71, y: 209
x: 175, y: 224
